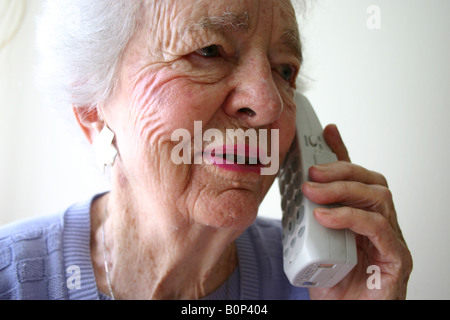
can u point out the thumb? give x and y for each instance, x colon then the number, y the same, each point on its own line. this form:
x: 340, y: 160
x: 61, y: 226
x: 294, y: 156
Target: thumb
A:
x: 333, y: 138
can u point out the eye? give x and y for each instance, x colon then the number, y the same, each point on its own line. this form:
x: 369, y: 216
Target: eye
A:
x: 212, y: 51
x: 287, y: 72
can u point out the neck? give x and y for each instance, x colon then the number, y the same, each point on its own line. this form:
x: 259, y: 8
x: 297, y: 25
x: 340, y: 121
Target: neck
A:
x: 152, y: 256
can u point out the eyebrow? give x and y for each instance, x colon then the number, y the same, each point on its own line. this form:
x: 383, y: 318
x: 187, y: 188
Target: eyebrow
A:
x: 228, y: 21
x: 291, y: 39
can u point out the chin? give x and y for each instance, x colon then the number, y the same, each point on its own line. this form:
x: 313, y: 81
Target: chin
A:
x: 233, y: 209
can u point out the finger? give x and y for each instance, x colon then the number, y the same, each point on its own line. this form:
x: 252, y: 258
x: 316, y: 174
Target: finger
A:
x: 369, y: 224
x: 388, y: 246
x: 350, y: 193
x: 334, y: 140
x: 345, y: 171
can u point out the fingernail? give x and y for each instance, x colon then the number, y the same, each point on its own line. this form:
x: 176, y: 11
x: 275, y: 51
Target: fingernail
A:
x: 311, y: 184
x: 309, y: 187
x: 322, y: 211
x: 321, y: 167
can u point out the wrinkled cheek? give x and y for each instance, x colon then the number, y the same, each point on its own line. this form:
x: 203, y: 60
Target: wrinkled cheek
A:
x: 160, y: 104
x: 146, y: 149
x: 149, y: 169
x: 152, y: 118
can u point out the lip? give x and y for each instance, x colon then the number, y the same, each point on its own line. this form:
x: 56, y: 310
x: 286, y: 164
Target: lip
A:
x: 233, y: 158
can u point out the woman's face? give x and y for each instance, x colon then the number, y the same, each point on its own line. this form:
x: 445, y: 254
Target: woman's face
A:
x: 222, y: 64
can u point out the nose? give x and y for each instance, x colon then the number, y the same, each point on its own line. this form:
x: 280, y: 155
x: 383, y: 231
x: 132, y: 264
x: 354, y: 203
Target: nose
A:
x: 254, y: 99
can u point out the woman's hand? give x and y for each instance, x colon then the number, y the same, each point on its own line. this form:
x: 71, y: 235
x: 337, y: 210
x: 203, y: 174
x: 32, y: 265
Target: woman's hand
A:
x: 368, y: 210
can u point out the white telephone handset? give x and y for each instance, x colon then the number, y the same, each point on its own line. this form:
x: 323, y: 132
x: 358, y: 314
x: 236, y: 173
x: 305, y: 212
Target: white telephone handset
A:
x: 313, y: 256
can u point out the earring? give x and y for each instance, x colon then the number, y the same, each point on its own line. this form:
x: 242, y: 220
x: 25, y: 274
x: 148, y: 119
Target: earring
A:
x: 105, y: 152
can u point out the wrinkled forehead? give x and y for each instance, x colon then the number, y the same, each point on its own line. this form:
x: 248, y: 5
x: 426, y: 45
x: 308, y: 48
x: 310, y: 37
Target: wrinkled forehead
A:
x: 227, y: 16
x: 247, y: 12
x: 187, y: 10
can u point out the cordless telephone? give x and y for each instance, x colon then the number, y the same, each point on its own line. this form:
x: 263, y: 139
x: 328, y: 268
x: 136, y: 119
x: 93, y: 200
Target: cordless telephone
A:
x: 313, y: 256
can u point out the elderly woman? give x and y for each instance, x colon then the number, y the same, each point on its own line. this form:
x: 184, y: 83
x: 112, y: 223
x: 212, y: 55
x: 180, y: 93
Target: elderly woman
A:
x: 136, y: 71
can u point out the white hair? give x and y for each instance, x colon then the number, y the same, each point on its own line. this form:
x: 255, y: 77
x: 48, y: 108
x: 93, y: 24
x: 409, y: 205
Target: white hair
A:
x: 81, y: 43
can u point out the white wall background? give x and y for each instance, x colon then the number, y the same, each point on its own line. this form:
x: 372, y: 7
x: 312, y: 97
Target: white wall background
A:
x: 388, y: 90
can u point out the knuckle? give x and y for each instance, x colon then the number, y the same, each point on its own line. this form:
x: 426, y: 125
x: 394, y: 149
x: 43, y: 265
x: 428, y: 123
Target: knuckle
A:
x: 351, y: 170
x: 381, y: 228
x: 384, y: 181
x: 383, y: 198
x: 386, y: 194
x: 353, y: 213
x: 383, y: 223
x: 381, y: 179
x: 346, y: 188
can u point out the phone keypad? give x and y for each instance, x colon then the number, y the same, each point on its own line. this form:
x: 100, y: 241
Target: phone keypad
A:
x: 293, y: 221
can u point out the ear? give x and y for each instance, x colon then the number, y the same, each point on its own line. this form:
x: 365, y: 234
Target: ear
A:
x: 90, y: 121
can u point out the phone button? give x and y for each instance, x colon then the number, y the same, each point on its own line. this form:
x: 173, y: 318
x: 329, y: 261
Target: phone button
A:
x: 284, y: 201
x: 301, y: 232
x: 290, y: 192
x: 290, y: 228
x: 293, y: 242
x: 282, y: 186
x: 295, y: 164
x: 290, y: 210
x: 288, y: 176
x: 284, y: 221
x: 297, y: 180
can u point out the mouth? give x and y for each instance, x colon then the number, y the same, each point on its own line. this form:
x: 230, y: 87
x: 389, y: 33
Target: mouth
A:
x: 241, y: 158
